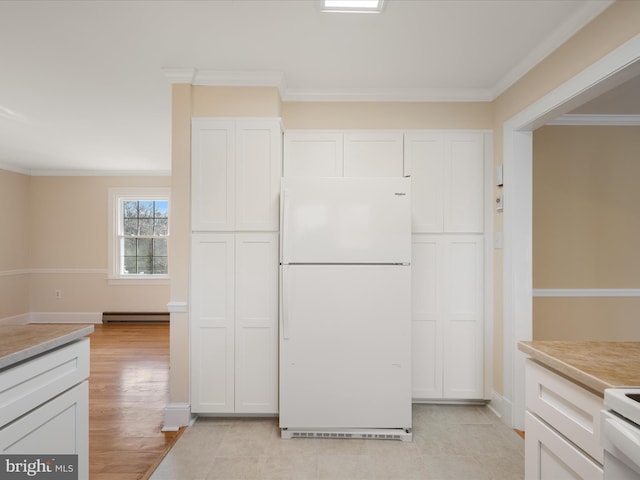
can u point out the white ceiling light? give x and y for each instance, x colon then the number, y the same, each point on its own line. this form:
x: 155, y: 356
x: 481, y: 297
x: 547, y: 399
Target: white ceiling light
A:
x: 352, y: 6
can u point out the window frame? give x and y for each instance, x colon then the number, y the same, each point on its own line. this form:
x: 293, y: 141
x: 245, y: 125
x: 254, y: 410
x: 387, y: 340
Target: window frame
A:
x: 117, y: 196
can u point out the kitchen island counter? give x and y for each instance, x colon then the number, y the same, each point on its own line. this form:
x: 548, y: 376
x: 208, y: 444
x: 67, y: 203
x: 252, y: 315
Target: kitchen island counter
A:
x: 22, y: 342
x: 596, y: 365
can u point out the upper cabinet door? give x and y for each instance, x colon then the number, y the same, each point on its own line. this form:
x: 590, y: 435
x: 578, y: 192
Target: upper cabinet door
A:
x: 464, y: 177
x: 235, y: 174
x: 313, y: 154
x: 373, y: 154
x: 212, y: 175
x: 447, y: 174
x: 424, y: 155
x: 257, y: 173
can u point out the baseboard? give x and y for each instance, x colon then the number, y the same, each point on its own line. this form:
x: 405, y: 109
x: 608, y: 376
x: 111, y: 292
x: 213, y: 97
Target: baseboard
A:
x: 502, y: 407
x: 21, y: 319
x: 65, y: 317
x: 176, y: 415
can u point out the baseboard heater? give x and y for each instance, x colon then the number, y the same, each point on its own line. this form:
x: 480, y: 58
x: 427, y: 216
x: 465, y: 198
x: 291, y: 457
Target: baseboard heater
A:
x: 135, y: 317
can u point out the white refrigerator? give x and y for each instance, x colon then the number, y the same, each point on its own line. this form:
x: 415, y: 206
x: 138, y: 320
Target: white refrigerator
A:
x: 345, y: 311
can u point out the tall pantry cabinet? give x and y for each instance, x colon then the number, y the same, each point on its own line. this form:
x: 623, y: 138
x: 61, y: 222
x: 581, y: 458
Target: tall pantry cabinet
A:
x: 447, y: 176
x: 235, y: 183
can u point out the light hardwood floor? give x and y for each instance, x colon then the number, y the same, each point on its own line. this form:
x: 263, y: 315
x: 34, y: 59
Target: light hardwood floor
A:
x: 128, y: 390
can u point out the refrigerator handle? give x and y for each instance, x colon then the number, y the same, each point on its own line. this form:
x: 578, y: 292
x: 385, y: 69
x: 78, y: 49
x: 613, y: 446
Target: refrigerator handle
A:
x: 285, y: 304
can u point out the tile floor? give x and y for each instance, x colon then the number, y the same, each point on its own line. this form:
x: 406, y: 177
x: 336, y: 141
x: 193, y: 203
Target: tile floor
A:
x: 449, y: 442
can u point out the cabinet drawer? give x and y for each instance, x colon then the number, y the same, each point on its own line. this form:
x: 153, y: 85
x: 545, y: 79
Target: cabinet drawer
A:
x: 27, y: 385
x: 572, y: 410
x: 550, y: 456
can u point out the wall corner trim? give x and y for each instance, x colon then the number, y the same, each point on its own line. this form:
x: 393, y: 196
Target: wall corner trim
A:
x: 178, y: 307
x: 176, y: 415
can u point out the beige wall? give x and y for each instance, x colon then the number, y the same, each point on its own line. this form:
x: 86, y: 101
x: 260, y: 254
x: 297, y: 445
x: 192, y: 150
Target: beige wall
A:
x: 14, y: 244
x: 616, y: 25
x: 387, y: 115
x: 56, y: 235
x: 586, y: 230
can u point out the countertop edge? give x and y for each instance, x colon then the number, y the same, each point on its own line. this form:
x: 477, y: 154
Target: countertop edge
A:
x: 569, y: 371
x: 43, y: 347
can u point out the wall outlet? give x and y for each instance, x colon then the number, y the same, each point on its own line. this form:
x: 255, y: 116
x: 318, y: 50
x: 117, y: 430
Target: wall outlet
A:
x: 58, y: 294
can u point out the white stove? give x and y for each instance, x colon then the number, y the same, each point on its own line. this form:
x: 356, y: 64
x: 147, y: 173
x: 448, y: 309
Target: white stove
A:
x: 620, y: 431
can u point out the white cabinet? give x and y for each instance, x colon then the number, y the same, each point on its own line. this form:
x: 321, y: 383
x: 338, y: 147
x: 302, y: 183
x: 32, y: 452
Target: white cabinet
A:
x: 235, y: 174
x: 45, y: 405
x: 373, y: 154
x: 562, y: 426
x: 234, y: 322
x: 313, y: 154
x: 447, y: 175
x: 343, y: 154
x: 447, y: 317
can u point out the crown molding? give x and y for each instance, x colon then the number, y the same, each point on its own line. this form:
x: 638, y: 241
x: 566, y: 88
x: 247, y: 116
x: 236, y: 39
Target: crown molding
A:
x: 564, y: 32
x: 231, y: 78
x: 596, y: 120
x: 388, y: 95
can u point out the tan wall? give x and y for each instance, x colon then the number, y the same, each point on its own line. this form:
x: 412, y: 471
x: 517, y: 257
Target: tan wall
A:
x: 586, y: 230
x: 55, y: 233
x: 14, y: 244
x: 616, y: 25
x: 387, y: 115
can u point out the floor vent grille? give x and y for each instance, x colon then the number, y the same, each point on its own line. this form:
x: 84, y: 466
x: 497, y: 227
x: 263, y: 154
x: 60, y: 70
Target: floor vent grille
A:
x: 403, y: 435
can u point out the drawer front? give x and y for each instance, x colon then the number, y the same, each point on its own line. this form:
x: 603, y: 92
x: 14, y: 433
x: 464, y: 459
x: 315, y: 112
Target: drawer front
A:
x: 570, y: 409
x: 34, y: 382
x: 550, y: 456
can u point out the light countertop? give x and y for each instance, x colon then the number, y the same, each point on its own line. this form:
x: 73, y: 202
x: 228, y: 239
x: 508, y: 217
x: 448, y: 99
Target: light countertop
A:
x: 597, y: 365
x: 21, y: 342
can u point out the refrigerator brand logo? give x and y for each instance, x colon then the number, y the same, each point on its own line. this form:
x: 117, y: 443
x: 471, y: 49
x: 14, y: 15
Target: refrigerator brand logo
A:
x: 400, y: 194
x: 18, y: 467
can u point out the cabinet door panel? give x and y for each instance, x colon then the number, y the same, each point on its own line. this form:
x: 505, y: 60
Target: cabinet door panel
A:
x: 313, y: 154
x: 378, y: 154
x: 212, y: 175
x: 424, y: 162
x: 256, y: 323
x: 426, y: 268
x: 60, y: 426
x: 464, y: 174
x: 212, y: 323
x: 549, y: 456
x: 258, y: 168
x: 463, y: 339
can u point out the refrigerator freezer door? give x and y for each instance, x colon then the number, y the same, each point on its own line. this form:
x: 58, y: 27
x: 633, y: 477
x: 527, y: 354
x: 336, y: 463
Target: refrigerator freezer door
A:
x: 345, y: 347
x: 346, y: 220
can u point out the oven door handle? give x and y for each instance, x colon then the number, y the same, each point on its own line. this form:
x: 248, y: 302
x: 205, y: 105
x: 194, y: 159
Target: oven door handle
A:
x: 622, y: 437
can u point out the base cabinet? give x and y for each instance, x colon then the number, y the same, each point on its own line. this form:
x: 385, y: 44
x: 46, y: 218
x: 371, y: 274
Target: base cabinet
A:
x: 45, y: 405
x: 548, y: 455
x: 562, y: 427
x: 234, y: 323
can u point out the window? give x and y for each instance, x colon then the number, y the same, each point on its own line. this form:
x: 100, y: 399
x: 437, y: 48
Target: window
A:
x: 139, y: 233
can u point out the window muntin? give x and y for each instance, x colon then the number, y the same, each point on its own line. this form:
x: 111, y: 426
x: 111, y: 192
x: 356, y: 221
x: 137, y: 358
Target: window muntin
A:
x: 143, y: 232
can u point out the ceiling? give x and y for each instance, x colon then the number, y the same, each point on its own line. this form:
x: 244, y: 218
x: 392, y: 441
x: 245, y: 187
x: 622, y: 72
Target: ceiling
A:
x: 85, y: 85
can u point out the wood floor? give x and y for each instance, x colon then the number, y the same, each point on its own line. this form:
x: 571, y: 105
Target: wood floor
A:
x: 128, y: 391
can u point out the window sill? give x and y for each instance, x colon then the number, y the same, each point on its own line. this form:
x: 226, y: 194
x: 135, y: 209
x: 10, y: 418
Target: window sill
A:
x: 139, y: 280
